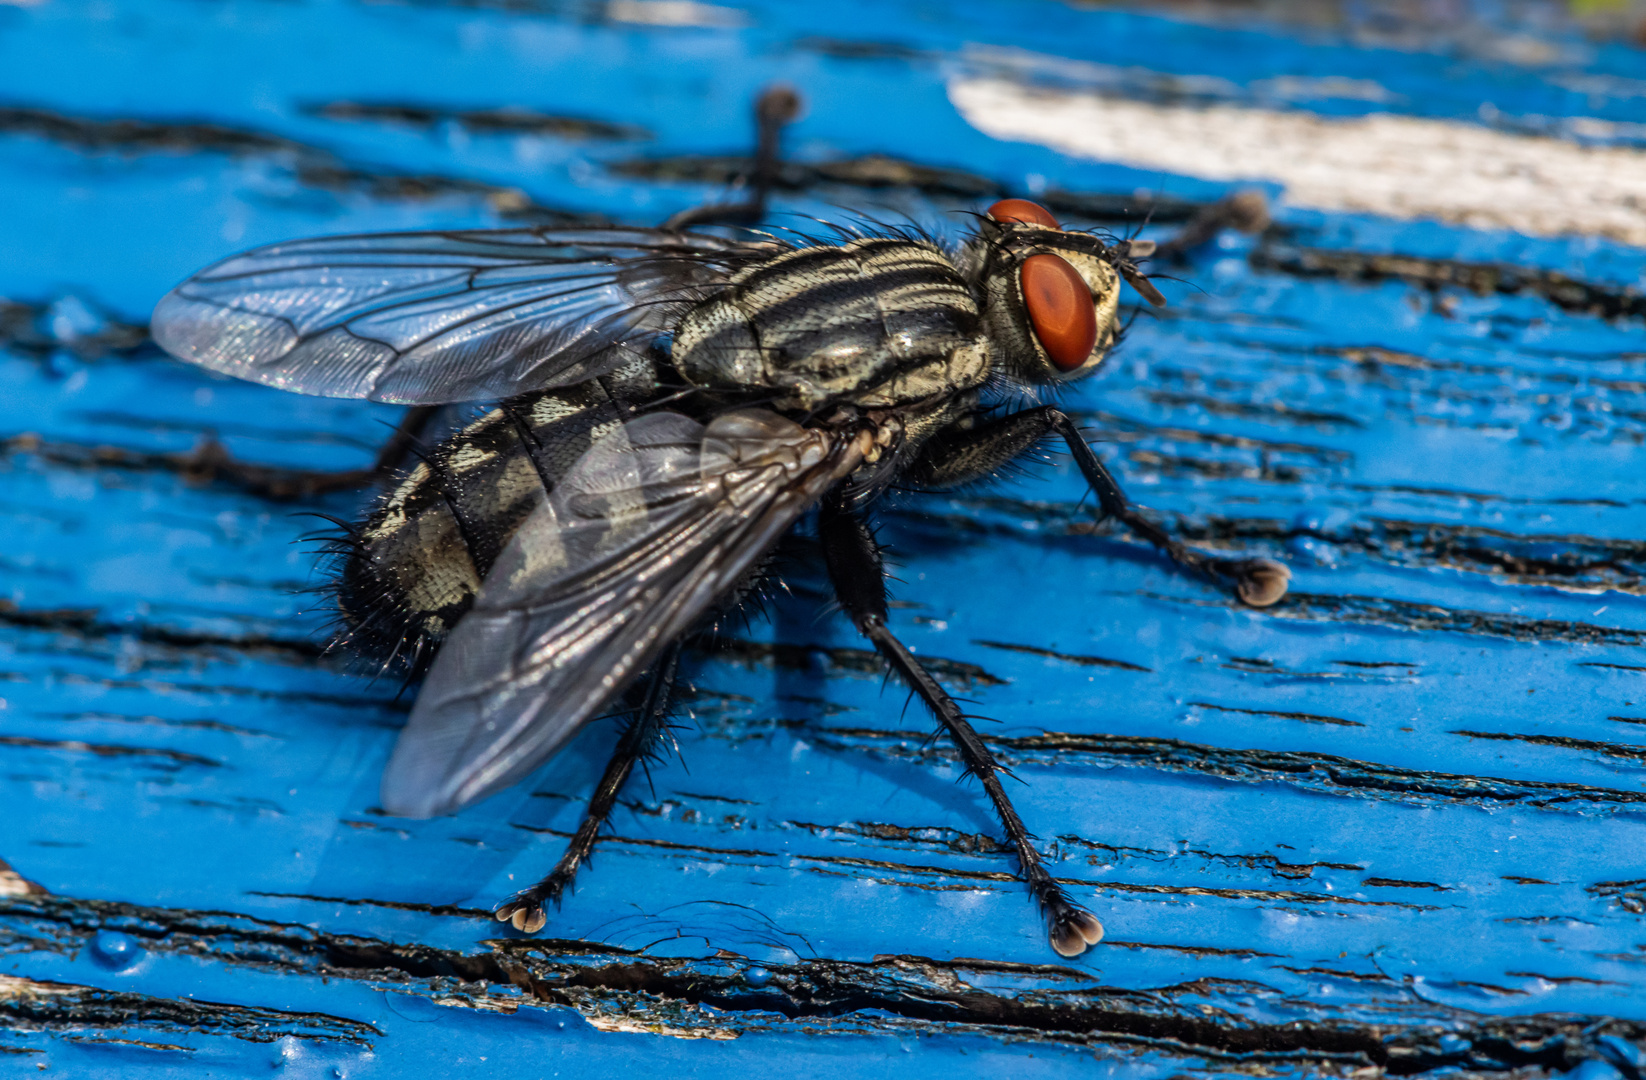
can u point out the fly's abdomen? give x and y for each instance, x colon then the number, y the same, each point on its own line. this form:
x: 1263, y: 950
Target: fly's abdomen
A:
x: 889, y: 318
x: 413, y: 567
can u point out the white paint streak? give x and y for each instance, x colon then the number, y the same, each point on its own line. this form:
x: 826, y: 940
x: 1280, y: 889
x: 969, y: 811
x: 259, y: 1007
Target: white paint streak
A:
x: 1398, y: 166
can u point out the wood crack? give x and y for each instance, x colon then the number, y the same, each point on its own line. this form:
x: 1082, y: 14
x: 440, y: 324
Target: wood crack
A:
x: 1213, y: 1019
x: 1310, y: 771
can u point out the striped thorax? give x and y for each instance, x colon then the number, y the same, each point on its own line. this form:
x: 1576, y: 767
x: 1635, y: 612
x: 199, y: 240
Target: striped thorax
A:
x: 874, y: 322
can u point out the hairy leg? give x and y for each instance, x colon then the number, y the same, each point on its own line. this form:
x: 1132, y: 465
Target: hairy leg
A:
x: 859, y: 579
x: 525, y: 908
x: 960, y: 456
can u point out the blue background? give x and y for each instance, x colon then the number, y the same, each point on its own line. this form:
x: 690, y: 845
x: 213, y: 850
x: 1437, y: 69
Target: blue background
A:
x: 1392, y: 823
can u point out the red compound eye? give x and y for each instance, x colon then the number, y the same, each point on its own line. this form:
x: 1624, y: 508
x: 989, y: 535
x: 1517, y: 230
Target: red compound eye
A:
x: 1060, y: 309
x: 1024, y: 211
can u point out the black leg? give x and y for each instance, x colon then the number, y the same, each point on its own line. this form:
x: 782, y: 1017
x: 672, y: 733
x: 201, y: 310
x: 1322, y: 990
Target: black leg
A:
x: 975, y: 449
x: 210, y: 462
x: 961, y: 456
x: 1259, y: 582
x: 1246, y: 211
x: 525, y: 908
x: 775, y: 108
x: 860, y: 582
x: 407, y: 437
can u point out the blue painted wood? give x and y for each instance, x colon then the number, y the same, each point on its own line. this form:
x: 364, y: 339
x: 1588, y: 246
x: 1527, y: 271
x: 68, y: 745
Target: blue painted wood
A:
x: 1396, y: 810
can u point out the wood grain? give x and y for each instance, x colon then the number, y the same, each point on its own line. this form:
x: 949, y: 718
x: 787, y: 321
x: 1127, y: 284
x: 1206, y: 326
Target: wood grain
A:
x: 1392, y: 825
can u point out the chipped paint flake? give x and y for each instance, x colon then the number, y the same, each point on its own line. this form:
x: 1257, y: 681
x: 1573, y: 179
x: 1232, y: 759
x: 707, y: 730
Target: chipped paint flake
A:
x: 636, y: 1026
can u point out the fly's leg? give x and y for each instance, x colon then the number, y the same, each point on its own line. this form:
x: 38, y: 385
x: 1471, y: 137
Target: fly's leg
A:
x: 958, y: 457
x: 773, y: 110
x: 407, y: 437
x: 1245, y: 211
x: 525, y: 908
x: 859, y: 578
x: 210, y: 462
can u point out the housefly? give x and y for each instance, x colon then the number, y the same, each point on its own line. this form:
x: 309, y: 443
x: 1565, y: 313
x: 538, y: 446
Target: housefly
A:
x: 668, y: 403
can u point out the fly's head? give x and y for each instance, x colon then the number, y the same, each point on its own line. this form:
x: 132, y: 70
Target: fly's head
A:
x: 1051, y: 298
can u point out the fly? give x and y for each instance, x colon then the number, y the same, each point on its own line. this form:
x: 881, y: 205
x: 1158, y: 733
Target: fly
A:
x: 670, y: 402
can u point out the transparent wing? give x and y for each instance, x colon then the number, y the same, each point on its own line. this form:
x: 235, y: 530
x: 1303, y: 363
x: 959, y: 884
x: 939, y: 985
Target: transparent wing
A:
x: 650, y: 527
x: 435, y: 317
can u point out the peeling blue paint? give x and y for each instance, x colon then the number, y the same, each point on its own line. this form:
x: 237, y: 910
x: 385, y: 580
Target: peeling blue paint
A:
x: 1412, y: 795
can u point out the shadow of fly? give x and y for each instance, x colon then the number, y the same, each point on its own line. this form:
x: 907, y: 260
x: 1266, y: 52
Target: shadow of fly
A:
x: 670, y: 401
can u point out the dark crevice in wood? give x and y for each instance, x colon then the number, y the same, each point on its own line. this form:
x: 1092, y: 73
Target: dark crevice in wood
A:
x: 27, y: 328
x: 86, y: 623
x: 1266, y: 411
x: 1572, y: 561
x: 438, y: 910
x: 352, y: 702
x: 506, y: 121
x: 962, y: 843
x: 1190, y: 950
x: 209, y: 462
x: 33, y: 1005
x: 1124, y: 429
x: 1378, y: 611
x: 1202, y: 1019
x: 130, y: 135
x: 856, y: 661
x: 175, y: 759
x: 1072, y: 658
x: 1482, y: 279
x: 312, y: 166
x: 1396, y: 883
x: 1627, y: 751
x: 1629, y: 895
x: 1307, y: 718
x: 1271, y: 863
x: 1317, y: 772
x: 1360, y: 672
x: 1357, y: 976
x: 1563, y: 980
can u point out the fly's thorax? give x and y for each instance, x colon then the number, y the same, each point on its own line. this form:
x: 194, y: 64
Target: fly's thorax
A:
x: 1005, y: 273
x: 875, y: 321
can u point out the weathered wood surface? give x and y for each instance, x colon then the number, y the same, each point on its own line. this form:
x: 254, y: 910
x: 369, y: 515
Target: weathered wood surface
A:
x: 1394, y: 823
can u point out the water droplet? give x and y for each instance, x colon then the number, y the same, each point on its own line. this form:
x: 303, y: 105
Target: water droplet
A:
x: 114, y: 950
